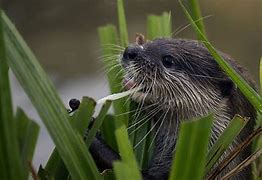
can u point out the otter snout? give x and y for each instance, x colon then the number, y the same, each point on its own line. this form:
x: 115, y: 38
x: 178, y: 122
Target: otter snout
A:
x: 132, y: 53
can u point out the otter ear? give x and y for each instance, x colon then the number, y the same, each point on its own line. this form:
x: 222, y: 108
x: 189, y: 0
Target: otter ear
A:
x: 227, y: 87
x: 140, y: 39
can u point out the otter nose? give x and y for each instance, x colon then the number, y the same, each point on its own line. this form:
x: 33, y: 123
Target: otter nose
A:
x: 131, y: 53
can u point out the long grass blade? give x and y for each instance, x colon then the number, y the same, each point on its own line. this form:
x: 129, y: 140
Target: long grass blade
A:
x: 225, y: 139
x: 195, y: 12
x: 122, y: 23
x: 80, y: 121
x: 27, y: 133
x: 243, y: 164
x: 84, y: 115
x: 124, y: 171
x: 192, y: 145
x: 107, y: 131
x: 108, y: 36
x: 247, y: 90
x: 10, y: 162
x: 55, y: 167
x: 159, y: 26
x: 49, y: 106
x: 221, y: 166
x: 97, y: 123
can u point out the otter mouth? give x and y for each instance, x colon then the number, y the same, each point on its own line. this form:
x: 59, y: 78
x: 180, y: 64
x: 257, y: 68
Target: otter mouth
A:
x: 141, y: 95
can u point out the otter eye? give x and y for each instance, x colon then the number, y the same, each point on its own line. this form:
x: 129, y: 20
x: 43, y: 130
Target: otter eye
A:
x: 168, y: 61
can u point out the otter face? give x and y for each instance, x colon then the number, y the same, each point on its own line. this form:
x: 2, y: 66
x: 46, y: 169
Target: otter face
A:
x: 174, y: 72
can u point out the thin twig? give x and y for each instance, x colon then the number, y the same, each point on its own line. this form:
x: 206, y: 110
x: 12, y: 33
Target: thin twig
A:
x: 243, y: 164
x: 233, y: 154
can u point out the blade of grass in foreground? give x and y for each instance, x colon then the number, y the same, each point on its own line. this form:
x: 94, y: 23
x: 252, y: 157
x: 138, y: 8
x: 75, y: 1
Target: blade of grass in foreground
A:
x: 196, y: 15
x: 191, y: 149
x: 225, y: 139
x: 97, y: 123
x: 84, y: 115
x: 232, y: 154
x: 243, y: 164
x: 55, y: 166
x: 49, y: 106
x: 10, y: 162
x: 126, y: 168
x: 27, y: 131
x: 247, y: 90
x: 257, y: 170
x: 107, y: 131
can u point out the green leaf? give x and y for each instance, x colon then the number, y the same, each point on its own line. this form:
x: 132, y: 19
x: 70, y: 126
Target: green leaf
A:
x: 10, y: 162
x: 247, y: 90
x: 97, y: 123
x: 140, y: 134
x: 225, y: 139
x: 80, y: 120
x: 191, y: 145
x: 124, y: 171
x: 107, y: 131
x: 122, y: 23
x: 44, y: 97
x: 142, y: 142
x: 84, y: 114
x: 195, y: 12
x: 129, y: 164
x: 159, y: 26
x: 27, y: 131
x: 233, y: 153
x: 108, y: 41
x: 55, y: 167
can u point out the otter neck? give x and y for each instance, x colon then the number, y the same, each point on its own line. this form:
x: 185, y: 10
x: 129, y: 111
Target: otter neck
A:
x: 168, y: 120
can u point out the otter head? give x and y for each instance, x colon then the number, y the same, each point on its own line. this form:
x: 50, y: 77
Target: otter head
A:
x: 175, y: 73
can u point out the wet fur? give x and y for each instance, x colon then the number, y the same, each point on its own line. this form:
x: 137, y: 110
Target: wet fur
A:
x: 193, y: 87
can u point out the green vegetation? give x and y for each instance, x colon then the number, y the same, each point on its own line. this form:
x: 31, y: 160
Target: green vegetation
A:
x: 71, y: 158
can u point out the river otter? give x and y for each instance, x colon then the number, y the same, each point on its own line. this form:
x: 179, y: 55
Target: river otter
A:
x: 183, y: 81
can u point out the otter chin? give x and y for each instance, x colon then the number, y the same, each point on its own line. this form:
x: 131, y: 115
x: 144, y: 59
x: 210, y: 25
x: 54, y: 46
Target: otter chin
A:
x: 183, y: 80
x: 141, y: 95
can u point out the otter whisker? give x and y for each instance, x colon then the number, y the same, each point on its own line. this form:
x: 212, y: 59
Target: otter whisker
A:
x: 142, y: 109
x: 146, y: 93
x: 184, y: 27
x: 147, y: 133
x: 151, y: 114
x: 163, y: 115
x: 166, y: 140
x: 113, y: 46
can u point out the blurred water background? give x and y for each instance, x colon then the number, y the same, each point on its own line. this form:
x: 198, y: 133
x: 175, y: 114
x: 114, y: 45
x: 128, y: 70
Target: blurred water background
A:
x: 63, y: 36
